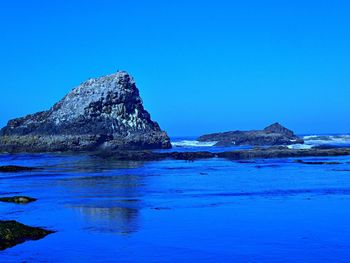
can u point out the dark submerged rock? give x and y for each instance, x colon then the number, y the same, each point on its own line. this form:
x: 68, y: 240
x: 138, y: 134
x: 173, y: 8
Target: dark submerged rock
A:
x: 267, y: 166
x: 101, y: 113
x: 191, y: 156
x: 18, y: 199
x: 268, y: 153
x: 329, y: 146
x: 316, y: 163
x: 13, y: 233
x: 274, y: 134
x: 15, y: 168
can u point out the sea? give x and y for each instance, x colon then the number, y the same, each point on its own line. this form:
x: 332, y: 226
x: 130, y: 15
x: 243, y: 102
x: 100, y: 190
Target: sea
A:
x: 214, y: 210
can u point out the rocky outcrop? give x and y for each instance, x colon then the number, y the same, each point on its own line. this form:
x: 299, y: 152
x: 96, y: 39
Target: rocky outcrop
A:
x: 13, y: 233
x: 265, y: 153
x: 101, y: 113
x: 274, y: 134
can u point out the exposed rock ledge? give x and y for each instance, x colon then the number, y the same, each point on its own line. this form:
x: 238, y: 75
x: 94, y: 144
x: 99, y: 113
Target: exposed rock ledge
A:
x: 101, y: 113
x: 274, y: 134
x: 264, y: 153
x: 13, y: 233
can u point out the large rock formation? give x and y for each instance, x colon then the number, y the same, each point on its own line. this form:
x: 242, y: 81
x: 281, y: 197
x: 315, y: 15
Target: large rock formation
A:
x: 274, y: 134
x: 101, y: 113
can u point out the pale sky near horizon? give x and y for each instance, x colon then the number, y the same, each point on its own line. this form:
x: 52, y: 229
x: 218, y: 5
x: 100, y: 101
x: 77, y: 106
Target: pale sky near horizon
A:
x: 200, y: 66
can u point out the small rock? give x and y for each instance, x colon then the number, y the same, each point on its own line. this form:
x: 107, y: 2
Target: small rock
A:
x: 17, y: 199
x: 316, y: 163
x: 161, y: 208
x: 15, y: 168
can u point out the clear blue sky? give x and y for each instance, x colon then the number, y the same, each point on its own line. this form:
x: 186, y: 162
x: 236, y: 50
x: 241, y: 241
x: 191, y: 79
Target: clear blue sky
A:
x: 201, y: 66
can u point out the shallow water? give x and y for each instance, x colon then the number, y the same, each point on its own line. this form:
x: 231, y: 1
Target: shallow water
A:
x: 177, y: 211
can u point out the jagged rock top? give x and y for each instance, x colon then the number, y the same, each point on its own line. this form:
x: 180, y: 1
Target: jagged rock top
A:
x: 278, y: 128
x: 109, y: 91
x: 110, y: 106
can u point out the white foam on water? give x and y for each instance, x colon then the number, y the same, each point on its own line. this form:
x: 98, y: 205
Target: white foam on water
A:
x: 299, y: 146
x: 316, y: 140
x: 309, y: 142
x: 309, y: 137
x: 189, y: 143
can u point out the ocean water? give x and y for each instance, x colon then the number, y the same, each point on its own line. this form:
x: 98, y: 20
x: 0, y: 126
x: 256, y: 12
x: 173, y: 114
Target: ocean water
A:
x: 178, y: 211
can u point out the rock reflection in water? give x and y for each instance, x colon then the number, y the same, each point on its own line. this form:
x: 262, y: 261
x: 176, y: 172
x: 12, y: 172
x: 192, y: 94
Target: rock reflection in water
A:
x: 92, y: 164
x: 108, y: 202
x: 122, y: 220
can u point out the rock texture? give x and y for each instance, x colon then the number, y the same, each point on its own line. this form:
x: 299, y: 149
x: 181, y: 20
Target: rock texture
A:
x: 101, y: 113
x: 13, y: 233
x: 274, y: 134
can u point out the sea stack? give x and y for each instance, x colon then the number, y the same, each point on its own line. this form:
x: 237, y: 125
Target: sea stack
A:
x: 275, y: 134
x: 104, y: 113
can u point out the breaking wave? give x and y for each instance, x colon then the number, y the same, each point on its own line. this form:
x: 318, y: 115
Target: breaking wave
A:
x: 327, y: 139
x: 324, y: 140
x: 189, y: 143
x: 300, y: 146
x: 309, y: 142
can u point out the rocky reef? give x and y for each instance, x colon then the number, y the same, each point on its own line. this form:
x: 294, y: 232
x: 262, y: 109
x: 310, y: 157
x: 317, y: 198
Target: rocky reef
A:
x: 255, y: 153
x: 274, y: 134
x: 101, y: 113
x: 13, y: 233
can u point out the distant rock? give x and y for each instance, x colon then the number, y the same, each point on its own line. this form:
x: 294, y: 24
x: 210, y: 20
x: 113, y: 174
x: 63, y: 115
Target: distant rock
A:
x: 101, y: 113
x: 274, y: 134
x: 278, y: 128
